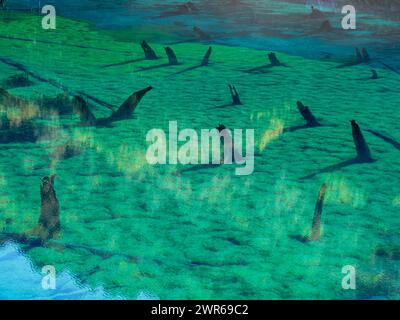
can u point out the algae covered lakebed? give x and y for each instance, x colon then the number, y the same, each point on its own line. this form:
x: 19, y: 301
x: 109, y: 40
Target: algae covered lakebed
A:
x: 207, y: 233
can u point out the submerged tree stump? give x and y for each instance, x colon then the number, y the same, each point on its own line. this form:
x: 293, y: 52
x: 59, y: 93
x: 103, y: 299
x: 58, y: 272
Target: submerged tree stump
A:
x: 49, y: 221
x: 316, y: 226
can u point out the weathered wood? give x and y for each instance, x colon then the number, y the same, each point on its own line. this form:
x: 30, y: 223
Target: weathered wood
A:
x: 50, y: 209
x: 172, y: 59
x: 235, y: 96
x: 206, y: 58
x: 149, y: 53
x: 125, y: 111
x: 307, y: 115
x: 273, y: 59
x: 316, y: 226
x: 363, y: 151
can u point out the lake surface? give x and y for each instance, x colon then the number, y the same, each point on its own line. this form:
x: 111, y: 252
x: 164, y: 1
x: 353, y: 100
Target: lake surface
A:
x: 130, y: 230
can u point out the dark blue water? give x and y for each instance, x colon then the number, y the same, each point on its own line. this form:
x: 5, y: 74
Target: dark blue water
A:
x: 260, y: 24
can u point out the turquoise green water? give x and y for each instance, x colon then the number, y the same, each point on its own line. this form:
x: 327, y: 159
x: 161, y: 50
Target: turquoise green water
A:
x: 207, y: 234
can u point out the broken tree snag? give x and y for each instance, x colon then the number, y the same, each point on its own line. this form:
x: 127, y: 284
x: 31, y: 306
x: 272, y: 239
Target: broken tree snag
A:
x: 359, y: 56
x: 365, y: 55
x: 173, y: 60
x: 235, y: 96
x: 273, y: 59
x: 149, y: 53
x: 226, y: 139
x: 190, y: 7
x: 316, y: 226
x: 80, y: 106
x: 206, y: 58
x: 221, y: 128
x: 126, y: 110
x: 307, y: 115
x: 315, y: 13
x: 326, y: 26
x: 50, y: 210
x: 363, y: 152
x: 374, y: 74
x: 201, y: 34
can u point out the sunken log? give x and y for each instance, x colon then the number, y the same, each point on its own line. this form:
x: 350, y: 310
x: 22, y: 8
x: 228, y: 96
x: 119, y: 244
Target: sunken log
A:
x: 316, y: 226
x: 18, y: 81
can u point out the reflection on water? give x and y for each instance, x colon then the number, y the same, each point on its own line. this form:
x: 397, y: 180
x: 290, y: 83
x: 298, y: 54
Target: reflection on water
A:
x: 19, y: 279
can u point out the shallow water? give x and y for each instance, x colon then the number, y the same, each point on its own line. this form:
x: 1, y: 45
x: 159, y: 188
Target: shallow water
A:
x: 203, y: 234
x: 20, y: 280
